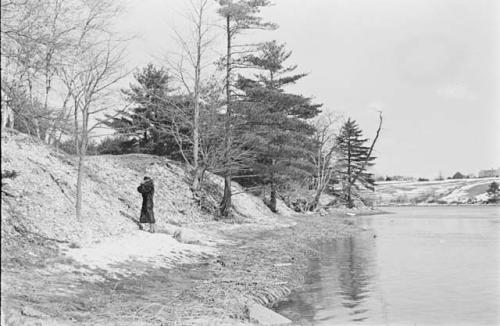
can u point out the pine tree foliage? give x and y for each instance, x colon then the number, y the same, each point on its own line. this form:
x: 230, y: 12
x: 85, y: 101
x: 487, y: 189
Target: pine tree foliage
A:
x: 354, y: 157
x: 152, y: 101
x: 276, y: 121
x: 243, y: 14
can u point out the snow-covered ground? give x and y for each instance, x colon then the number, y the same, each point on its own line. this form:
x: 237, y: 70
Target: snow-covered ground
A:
x: 127, y: 253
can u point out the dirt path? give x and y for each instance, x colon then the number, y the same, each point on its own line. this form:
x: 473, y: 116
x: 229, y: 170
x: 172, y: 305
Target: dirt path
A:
x: 151, y: 279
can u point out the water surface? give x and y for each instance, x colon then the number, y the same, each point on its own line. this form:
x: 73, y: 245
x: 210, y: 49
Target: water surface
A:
x: 418, y: 266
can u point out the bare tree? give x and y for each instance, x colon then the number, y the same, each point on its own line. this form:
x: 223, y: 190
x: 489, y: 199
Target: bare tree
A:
x: 65, y: 47
x: 324, y: 156
x: 38, y: 39
x: 22, y: 34
x: 188, y: 66
x: 93, y: 67
x: 89, y: 82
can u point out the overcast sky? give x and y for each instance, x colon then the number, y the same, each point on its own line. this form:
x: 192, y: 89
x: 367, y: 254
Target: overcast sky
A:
x: 431, y: 66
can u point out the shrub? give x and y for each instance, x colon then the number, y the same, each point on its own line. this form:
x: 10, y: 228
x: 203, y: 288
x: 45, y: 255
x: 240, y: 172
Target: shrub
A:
x: 117, y: 145
x: 9, y: 174
x: 493, y: 193
x: 68, y: 146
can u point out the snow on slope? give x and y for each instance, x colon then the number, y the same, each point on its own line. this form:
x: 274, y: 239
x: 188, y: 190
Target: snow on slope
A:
x: 430, y: 192
x: 41, y: 198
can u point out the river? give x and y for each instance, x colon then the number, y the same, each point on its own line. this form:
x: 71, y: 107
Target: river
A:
x: 416, y: 266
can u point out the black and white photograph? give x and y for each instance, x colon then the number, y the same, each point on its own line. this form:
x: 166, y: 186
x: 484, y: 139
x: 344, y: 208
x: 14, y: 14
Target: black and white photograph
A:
x: 250, y: 162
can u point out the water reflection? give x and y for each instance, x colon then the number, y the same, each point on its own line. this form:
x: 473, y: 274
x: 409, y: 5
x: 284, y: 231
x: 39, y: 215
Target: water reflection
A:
x: 353, y: 258
x: 426, y: 267
x: 344, y: 269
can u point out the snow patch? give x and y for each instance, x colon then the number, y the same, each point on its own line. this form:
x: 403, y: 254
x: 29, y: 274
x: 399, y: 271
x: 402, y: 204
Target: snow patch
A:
x: 116, y: 254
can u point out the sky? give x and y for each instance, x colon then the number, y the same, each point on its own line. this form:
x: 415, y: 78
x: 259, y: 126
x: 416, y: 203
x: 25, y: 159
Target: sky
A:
x: 431, y: 66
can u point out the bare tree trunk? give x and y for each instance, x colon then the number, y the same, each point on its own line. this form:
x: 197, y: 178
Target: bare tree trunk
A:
x: 272, y: 202
x: 76, y: 134
x: 32, y: 104
x: 46, y: 101
x: 225, y: 206
x: 81, y: 165
x: 37, y: 128
x: 196, y: 123
x: 324, y: 177
x: 79, y: 182
x: 26, y: 125
x: 199, y: 171
x: 317, y: 196
x: 226, y: 200
x: 349, y: 178
x: 58, y: 142
x: 63, y: 116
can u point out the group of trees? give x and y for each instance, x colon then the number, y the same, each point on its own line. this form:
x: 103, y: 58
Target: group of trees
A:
x: 237, y: 120
x: 60, y: 60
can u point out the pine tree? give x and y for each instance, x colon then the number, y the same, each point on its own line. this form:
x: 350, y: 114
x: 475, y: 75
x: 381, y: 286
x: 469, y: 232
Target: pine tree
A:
x: 354, y: 158
x: 151, y: 97
x: 239, y: 16
x: 276, y: 120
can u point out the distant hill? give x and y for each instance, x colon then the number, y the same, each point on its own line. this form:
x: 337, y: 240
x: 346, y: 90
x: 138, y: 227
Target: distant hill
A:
x: 455, y: 191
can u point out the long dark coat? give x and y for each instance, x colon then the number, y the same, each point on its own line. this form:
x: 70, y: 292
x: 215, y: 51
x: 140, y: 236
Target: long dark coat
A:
x: 147, y: 190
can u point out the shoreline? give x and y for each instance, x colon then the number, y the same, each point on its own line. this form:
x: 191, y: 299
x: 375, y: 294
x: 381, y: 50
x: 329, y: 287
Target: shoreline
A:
x: 247, y: 263
x: 438, y: 205
x: 256, y: 264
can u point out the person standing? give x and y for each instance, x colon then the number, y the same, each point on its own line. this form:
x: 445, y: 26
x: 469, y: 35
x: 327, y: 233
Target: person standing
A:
x: 147, y: 190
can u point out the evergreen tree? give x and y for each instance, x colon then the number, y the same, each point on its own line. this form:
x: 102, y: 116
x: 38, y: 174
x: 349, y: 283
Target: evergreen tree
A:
x: 493, y: 192
x: 151, y: 98
x: 354, y: 158
x: 276, y: 120
x: 239, y: 16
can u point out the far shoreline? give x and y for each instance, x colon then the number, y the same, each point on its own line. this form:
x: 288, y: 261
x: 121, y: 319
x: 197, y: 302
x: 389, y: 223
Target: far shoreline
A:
x: 439, y: 205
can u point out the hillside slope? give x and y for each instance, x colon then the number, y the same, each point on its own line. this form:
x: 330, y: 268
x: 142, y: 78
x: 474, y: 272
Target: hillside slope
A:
x: 41, y: 198
x: 459, y: 191
x: 102, y: 270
